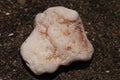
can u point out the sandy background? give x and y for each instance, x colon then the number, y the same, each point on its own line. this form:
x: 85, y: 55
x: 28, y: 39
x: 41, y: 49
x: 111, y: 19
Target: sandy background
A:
x: 101, y: 20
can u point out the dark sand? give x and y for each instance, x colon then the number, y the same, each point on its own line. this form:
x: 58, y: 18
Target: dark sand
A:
x: 101, y: 20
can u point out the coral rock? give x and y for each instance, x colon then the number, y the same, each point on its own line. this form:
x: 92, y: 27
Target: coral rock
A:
x: 57, y: 39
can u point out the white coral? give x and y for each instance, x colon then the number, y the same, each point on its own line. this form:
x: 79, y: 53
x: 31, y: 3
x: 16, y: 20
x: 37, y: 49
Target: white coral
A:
x: 57, y: 39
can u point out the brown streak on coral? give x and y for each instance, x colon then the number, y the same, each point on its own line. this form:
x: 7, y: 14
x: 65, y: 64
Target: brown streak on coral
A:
x: 82, y: 37
x: 44, y: 33
x: 85, y: 45
x: 73, y: 41
x: 53, y: 55
x: 68, y: 48
x: 52, y: 49
x: 66, y: 32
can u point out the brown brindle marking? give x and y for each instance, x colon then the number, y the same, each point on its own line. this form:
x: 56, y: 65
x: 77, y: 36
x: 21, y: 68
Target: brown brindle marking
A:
x: 49, y: 57
x: 85, y: 44
x: 66, y: 32
x: 78, y: 28
x: 52, y: 55
x: 73, y: 41
x: 82, y: 36
x: 80, y: 31
x: 53, y: 50
x: 68, y: 48
x: 44, y: 33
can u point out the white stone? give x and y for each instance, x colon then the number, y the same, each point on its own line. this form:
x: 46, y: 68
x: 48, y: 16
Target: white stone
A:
x: 11, y: 34
x: 57, y: 39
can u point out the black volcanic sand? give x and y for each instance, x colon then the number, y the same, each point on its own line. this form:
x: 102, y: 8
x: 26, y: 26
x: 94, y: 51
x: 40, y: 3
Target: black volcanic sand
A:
x: 101, y: 20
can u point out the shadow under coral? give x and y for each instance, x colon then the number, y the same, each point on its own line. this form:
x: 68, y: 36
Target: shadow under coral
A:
x: 48, y: 76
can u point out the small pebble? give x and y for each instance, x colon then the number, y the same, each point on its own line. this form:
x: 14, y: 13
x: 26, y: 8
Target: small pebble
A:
x: 89, y: 23
x: 86, y: 32
x: 107, y: 71
x: 93, y: 39
x: 119, y: 50
x: 94, y: 33
x: 14, y: 70
x: 11, y: 34
x: 7, y: 13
